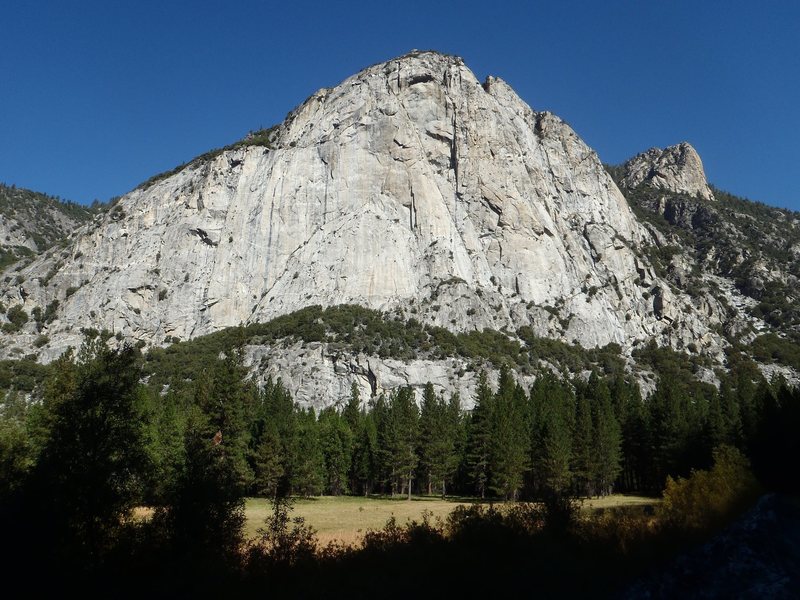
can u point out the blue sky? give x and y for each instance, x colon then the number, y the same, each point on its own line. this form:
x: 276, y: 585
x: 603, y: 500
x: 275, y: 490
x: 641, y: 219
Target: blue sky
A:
x: 99, y: 96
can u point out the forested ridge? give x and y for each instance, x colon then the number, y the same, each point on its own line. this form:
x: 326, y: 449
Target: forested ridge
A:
x: 34, y: 222
x: 352, y: 329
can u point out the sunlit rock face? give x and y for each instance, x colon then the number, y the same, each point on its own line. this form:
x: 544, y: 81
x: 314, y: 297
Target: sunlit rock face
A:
x: 676, y: 169
x: 410, y: 187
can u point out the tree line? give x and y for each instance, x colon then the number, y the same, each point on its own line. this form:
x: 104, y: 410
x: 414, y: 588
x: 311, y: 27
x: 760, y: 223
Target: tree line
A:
x: 580, y: 437
x: 577, y: 436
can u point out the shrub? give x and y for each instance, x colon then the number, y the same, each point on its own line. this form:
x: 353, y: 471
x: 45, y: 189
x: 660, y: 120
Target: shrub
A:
x: 772, y: 348
x: 17, y: 318
x: 707, y: 499
x: 50, y: 312
x: 283, y: 540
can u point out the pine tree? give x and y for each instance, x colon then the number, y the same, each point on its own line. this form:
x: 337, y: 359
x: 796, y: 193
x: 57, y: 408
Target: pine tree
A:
x: 228, y: 401
x: 635, y: 442
x: 746, y: 392
x: 715, y: 429
x: 167, y: 452
x: 670, y: 432
x: 401, y: 438
x: 607, y: 438
x: 551, y: 441
x: 274, y: 416
x: 336, y: 441
x: 17, y: 452
x: 59, y: 387
x: 731, y: 415
x: 583, y: 467
x: 365, y: 467
x: 457, y: 434
x: 775, y: 447
x: 361, y: 459
x: 308, y: 464
x: 268, y: 463
x: 479, y: 437
x: 431, y: 424
x: 622, y: 395
x: 384, y: 474
x: 438, y: 432
x: 352, y: 410
x: 509, y: 447
x: 205, y: 513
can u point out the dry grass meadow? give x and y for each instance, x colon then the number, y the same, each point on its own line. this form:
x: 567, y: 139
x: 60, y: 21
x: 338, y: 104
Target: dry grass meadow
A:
x: 345, y: 519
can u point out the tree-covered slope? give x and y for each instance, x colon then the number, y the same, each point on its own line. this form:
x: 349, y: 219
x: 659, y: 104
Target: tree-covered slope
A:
x: 338, y: 337
x: 31, y: 222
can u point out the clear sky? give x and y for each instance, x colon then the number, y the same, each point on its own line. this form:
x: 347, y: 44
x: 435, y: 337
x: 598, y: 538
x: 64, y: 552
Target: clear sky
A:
x: 97, y: 96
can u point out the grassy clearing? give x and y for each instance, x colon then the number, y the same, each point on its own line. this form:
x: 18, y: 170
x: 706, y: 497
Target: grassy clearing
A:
x: 619, y: 501
x: 346, y: 518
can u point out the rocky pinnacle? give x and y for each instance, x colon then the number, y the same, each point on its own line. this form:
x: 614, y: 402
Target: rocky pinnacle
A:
x: 676, y: 168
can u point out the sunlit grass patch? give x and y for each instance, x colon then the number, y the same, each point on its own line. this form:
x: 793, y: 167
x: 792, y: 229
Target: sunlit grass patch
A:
x: 346, y: 518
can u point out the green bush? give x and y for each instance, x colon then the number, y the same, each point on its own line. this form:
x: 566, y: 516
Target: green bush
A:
x: 351, y: 328
x: 50, y: 312
x: 17, y: 317
x: 771, y: 348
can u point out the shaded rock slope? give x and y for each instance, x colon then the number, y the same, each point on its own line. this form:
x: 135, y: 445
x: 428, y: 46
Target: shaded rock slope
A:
x: 756, y: 557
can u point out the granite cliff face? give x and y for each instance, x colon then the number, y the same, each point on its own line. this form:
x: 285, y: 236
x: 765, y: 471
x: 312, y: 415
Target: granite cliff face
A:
x: 410, y: 187
x: 675, y: 168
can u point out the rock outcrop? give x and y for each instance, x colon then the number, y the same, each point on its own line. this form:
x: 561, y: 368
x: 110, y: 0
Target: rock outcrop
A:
x: 676, y: 168
x: 409, y: 187
x: 318, y: 376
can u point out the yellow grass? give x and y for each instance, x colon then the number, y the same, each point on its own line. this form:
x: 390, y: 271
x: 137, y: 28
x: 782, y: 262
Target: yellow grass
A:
x: 618, y: 501
x: 346, y: 518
